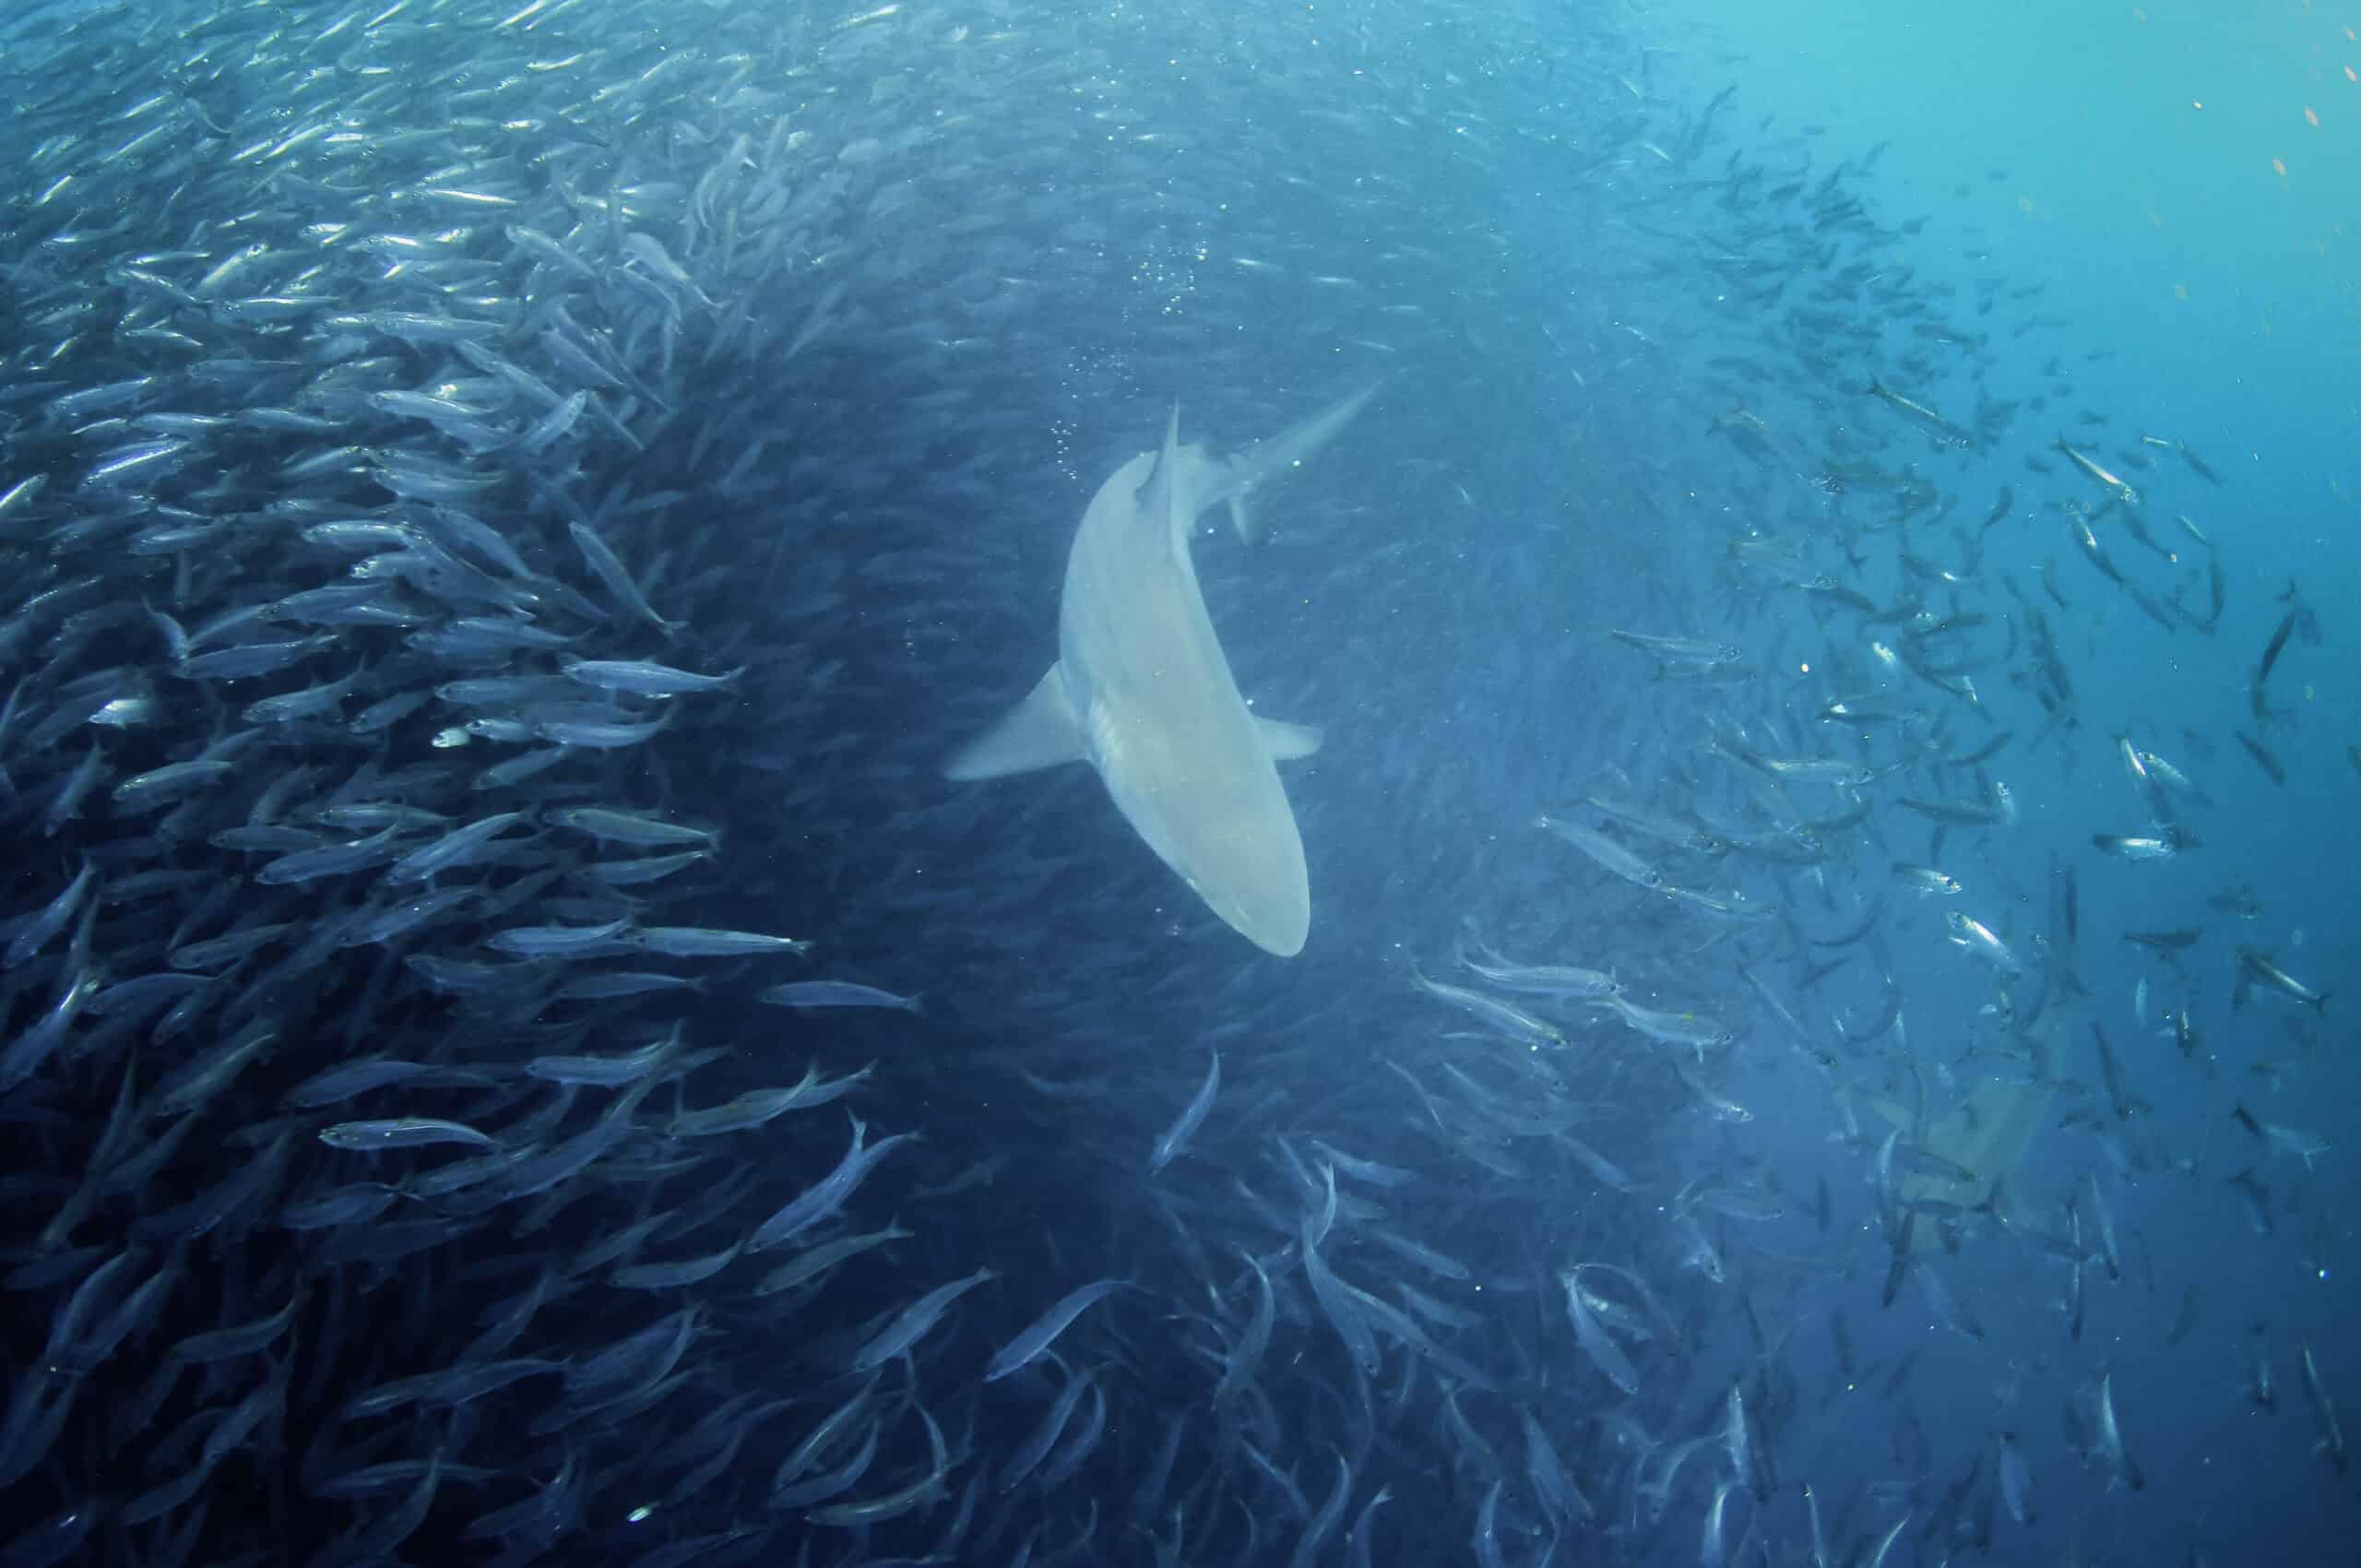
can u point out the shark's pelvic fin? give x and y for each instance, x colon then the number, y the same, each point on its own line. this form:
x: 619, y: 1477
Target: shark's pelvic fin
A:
x: 1038, y: 732
x: 1289, y: 742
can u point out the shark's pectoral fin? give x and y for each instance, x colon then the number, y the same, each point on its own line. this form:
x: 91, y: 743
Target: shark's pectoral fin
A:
x: 1040, y: 732
x: 1239, y: 517
x: 1288, y: 742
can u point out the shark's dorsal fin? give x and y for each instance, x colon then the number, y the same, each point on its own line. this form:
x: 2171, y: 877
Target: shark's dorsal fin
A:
x: 1038, y: 732
x: 1160, y: 501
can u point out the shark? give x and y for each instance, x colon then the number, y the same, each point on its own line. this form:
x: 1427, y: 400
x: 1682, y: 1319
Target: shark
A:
x: 1142, y: 691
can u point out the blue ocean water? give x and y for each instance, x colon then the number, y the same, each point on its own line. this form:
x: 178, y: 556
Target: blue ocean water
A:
x: 1828, y: 454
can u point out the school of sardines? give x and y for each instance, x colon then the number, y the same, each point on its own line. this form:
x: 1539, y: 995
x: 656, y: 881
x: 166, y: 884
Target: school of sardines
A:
x: 510, y: 1054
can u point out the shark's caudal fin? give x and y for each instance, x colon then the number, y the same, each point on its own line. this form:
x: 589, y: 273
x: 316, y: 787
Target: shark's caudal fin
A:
x: 1235, y: 480
x: 1038, y: 732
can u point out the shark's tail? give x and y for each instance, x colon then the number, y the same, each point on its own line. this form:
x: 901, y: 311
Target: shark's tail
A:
x: 1234, y: 479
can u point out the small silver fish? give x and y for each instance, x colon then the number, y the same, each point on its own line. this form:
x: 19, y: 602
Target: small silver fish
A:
x: 402, y: 1132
